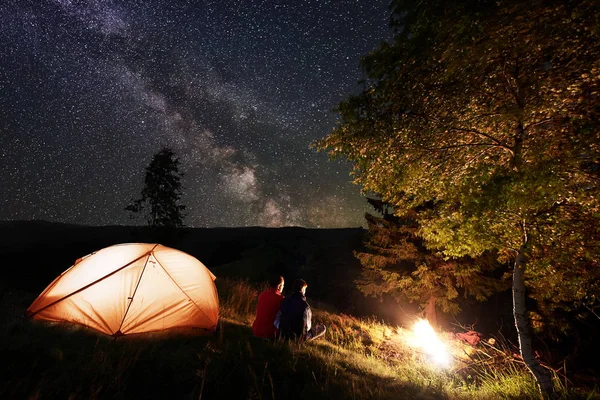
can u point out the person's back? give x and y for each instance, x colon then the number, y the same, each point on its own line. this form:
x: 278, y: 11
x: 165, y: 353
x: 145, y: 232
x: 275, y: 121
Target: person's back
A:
x: 295, y: 317
x: 267, y: 309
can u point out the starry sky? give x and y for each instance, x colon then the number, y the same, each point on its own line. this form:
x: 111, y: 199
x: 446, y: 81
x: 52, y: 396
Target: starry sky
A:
x: 91, y: 89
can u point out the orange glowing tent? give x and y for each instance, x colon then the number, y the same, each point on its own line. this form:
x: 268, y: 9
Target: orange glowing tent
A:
x: 132, y: 288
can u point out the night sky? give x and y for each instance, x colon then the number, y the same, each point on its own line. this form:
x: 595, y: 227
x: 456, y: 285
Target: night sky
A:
x: 90, y: 90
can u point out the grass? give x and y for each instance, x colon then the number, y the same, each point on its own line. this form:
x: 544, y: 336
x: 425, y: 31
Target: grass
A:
x: 357, y: 359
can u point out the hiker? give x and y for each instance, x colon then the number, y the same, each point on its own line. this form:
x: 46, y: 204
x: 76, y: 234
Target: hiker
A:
x: 295, y: 318
x: 267, y: 309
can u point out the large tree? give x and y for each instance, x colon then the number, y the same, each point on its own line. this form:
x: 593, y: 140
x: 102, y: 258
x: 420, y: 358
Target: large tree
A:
x: 490, y: 110
x: 161, y: 194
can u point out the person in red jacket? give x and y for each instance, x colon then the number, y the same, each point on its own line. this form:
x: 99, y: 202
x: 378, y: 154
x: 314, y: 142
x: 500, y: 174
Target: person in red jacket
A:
x: 267, y: 309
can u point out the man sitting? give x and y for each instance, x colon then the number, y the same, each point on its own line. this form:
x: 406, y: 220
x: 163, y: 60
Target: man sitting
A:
x: 267, y: 309
x: 295, y: 320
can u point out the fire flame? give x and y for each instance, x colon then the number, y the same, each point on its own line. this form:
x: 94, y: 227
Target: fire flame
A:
x: 426, y: 339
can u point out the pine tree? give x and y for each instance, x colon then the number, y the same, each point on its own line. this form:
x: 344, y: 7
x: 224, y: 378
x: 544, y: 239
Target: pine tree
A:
x: 161, y: 195
x: 396, y: 262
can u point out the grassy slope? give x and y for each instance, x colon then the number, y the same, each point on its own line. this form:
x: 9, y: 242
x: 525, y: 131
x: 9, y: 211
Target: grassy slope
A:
x: 354, y: 361
x: 358, y: 359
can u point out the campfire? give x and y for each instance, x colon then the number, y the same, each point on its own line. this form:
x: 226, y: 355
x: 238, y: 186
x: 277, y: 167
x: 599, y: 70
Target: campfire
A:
x: 424, y: 338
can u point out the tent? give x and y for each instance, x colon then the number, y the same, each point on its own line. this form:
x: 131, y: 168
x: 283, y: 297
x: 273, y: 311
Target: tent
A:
x: 132, y: 288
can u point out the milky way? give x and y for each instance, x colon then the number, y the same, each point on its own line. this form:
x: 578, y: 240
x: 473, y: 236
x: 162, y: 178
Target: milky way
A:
x: 90, y: 90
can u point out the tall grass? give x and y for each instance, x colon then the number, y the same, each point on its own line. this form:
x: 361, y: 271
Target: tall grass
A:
x: 238, y: 298
x: 357, y: 359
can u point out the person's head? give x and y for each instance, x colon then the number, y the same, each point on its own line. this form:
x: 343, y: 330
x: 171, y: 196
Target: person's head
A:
x: 277, y: 283
x: 299, y: 286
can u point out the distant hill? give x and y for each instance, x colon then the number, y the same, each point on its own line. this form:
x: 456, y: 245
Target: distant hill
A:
x: 324, y: 257
x: 35, y: 252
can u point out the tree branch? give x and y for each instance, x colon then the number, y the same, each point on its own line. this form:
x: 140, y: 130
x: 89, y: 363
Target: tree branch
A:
x: 485, y: 135
x: 462, y: 145
x: 484, y: 115
x: 592, y: 311
x: 542, y: 122
x: 511, y: 90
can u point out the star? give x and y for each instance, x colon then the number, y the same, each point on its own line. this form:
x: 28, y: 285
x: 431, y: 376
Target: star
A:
x: 89, y: 91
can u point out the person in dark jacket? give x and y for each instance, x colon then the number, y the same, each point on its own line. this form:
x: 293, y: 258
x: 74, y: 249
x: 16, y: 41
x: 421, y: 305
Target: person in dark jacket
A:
x: 267, y: 309
x: 295, y: 316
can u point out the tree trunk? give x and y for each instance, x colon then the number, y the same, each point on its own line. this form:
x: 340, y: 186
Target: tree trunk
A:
x: 541, y: 375
x: 431, y: 313
x: 517, y: 160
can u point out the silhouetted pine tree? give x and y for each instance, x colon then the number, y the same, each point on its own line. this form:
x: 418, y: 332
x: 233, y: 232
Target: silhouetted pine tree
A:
x: 161, y: 195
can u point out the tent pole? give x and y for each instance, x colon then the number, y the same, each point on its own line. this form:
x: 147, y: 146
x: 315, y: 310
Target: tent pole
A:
x: 87, y: 286
x: 133, y: 295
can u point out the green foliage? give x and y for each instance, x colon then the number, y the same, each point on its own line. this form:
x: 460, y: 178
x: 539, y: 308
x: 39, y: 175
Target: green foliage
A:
x: 161, y: 195
x: 491, y: 110
x: 396, y: 262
